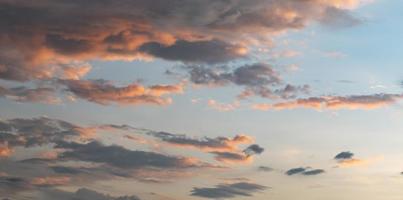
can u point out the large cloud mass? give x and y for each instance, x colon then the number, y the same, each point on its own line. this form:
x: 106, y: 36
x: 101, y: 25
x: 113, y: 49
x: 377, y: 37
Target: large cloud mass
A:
x: 40, y: 39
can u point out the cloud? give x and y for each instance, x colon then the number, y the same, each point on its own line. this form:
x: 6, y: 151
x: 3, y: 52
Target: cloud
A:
x: 352, y: 102
x: 246, y: 156
x: 253, y: 149
x: 66, y: 170
x: 258, y: 79
x: 39, y: 39
x: 344, y: 155
x: 346, y: 159
x: 103, y: 92
x: 339, y: 18
x: 223, y: 107
x: 5, y: 151
x: 118, y: 156
x: 82, y: 194
x: 37, y: 132
x: 248, y: 75
x: 50, y: 181
x: 64, y: 154
x: 265, y: 169
x: 293, y: 171
x: 224, y: 149
x: 220, y: 144
x: 313, y: 172
x: 223, y: 191
x: 11, y: 185
x: 44, y: 95
x: 210, y: 51
x: 232, y: 157
x: 304, y: 171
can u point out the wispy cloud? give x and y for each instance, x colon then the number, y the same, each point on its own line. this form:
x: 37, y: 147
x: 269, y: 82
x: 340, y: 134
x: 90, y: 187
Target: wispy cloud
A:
x: 224, y: 191
x: 352, y: 102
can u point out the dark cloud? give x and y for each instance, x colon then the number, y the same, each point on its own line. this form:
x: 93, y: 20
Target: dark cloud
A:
x: 38, y: 131
x: 313, y: 172
x: 9, y: 184
x: 66, y: 170
x: 118, y: 156
x: 212, y: 51
x: 205, y: 143
x: 258, y: 79
x: 248, y: 75
x: 82, y: 194
x: 37, y: 39
x: 304, y: 171
x: 238, y: 157
x: 253, y: 149
x: 294, y: 171
x: 265, y: 169
x: 37, y: 95
x: 228, y: 190
x: 344, y: 155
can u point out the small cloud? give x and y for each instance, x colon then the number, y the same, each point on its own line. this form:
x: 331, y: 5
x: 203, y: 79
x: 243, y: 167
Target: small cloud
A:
x: 223, y: 191
x: 344, y: 155
x: 223, y: 107
x: 294, y: 171
x: 265, y: 169
x: 306, y: 171
x: 313, y: 172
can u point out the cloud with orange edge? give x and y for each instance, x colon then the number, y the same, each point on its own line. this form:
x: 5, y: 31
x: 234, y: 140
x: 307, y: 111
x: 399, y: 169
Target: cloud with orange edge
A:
x: 353, y: 102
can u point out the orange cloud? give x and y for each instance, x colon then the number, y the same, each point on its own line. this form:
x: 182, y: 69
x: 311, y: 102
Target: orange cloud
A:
x: 41, y: 45
x: 222, y: 106
x: 353, y: 162
x: 233, y: 157
x: 75, y: 72
x: 50, y: 180
x: 5, y: 151
x: 103, y: 92
x: 219, y: 144
x: 51, y: 155
x: 365, y: 102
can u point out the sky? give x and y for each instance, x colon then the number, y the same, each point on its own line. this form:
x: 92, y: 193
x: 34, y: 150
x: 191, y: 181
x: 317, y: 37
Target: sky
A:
x: 201, y: 99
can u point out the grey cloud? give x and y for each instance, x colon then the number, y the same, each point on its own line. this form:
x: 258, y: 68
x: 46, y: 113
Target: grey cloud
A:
x: 313, y: 172
x: 82, y: 194
x: 37, y: 36
x: 294, y: 171
x: 45, y: 95
x: 265, y: 169
x: 9, y: 184
x: 304, y: 171
x: 228, y: 190
x: 248, y: 75
x: 258, y: 79
x: 204, y: 143
x: 243, y: 156
x: 66, y: 170
x: 119, y: 157
x: 339, y: 18
x: 253, y: 149
x: 345, y: 155
x: 211, y: 51
x: 36, y: 131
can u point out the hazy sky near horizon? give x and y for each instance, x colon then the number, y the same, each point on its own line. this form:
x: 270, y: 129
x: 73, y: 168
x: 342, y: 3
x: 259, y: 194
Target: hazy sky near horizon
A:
x: 201, y: 99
